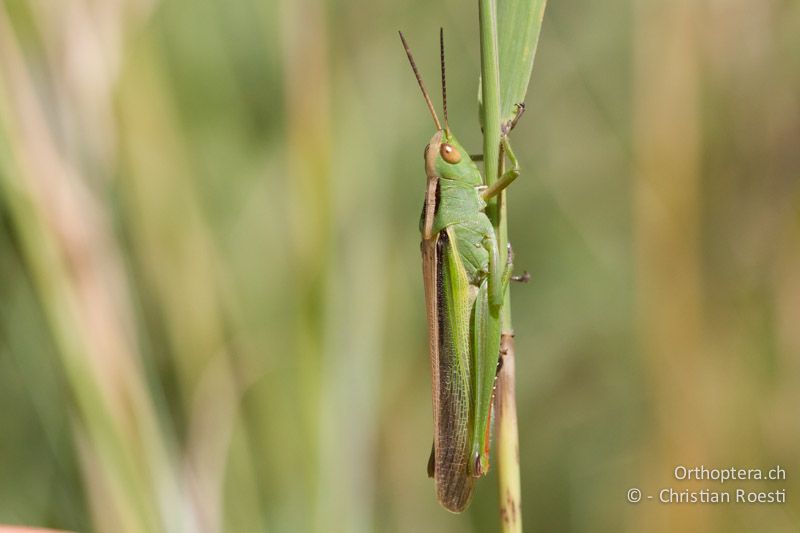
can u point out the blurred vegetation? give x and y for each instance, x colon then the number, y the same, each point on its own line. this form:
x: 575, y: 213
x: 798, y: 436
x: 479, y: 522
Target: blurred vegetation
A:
x: 211, y: 311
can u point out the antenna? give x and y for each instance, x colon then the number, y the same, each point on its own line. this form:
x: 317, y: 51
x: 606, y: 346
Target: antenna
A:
x: 419, y: 80
x: 444, y: 78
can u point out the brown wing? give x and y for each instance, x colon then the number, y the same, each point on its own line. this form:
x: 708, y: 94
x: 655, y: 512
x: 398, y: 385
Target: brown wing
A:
x: 447, y: 298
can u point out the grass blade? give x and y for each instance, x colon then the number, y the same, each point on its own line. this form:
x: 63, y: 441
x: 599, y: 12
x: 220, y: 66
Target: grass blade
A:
x: 519, y: 23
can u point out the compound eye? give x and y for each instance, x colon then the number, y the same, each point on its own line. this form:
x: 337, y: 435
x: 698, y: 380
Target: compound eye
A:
x: 449, y: 153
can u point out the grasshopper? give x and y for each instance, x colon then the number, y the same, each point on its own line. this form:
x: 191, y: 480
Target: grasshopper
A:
x: 466, y: 279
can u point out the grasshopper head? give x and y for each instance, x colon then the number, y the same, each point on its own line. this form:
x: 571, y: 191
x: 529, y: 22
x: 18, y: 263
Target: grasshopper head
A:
x: 444, y: 155
x: 446, y: 158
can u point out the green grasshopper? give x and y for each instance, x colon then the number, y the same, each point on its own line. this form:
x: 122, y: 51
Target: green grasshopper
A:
x: 465, y: 285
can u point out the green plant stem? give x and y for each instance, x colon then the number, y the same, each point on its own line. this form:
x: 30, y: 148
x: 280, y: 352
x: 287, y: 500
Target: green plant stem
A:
x: 490, y: 90
x: 506, y: 413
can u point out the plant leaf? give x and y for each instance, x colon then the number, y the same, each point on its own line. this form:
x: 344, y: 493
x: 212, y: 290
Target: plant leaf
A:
x: 519, y: 23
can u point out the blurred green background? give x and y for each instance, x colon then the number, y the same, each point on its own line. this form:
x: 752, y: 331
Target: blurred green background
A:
x: 211, y: 308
